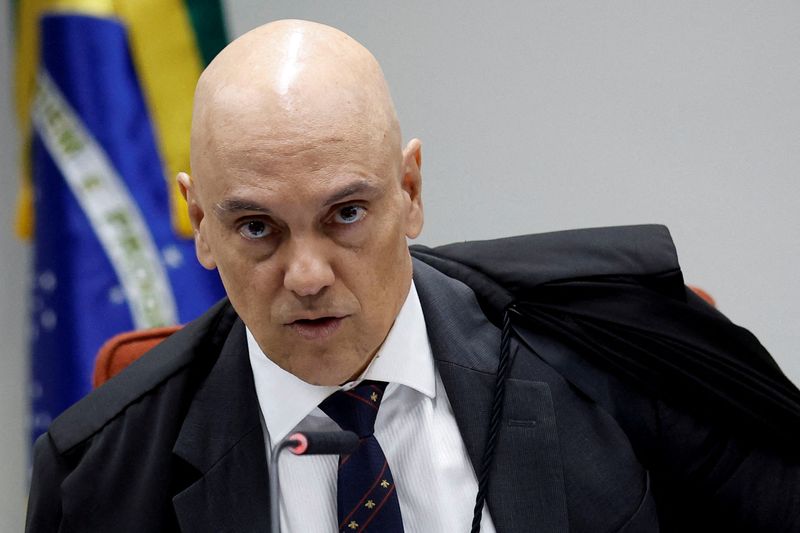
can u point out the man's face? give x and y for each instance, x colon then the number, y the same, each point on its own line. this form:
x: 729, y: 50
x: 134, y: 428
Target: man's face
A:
x: 309, y: 237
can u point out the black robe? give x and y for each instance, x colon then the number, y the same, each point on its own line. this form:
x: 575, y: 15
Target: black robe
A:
x: 617, y: 296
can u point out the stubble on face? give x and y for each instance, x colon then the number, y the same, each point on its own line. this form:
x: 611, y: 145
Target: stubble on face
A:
x: 285, y: 118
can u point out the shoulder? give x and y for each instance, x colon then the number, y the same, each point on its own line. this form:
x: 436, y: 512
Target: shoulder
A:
x: 637, y: 250
x: 161, y: 372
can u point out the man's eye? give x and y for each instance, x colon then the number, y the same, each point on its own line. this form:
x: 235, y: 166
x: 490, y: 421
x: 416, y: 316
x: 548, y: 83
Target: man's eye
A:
x: 349, y: 214
x: 254, y: 229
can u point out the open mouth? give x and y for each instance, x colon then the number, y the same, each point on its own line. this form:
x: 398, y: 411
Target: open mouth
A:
x: 318, y: 328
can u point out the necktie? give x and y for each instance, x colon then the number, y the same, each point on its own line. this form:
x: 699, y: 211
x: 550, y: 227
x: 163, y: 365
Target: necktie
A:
x: 366, y: 495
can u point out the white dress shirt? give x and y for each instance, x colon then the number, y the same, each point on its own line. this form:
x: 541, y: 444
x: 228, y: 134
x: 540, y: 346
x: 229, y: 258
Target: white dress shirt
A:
x: 436, y: 484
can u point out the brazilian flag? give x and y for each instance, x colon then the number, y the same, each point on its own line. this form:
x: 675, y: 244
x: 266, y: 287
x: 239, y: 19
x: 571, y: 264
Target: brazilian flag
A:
x: 104, y: 96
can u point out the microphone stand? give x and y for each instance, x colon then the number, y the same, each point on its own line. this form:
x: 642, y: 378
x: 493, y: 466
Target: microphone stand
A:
x: 308, y: 443
x: 274, y: 485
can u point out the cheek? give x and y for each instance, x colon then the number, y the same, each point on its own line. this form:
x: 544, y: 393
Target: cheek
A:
x: 250, y: 285
x: 383, y: 271
x: 234, y: 258
x: 237, y: 287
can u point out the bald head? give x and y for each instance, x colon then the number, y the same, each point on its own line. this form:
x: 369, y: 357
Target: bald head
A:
x: 288, y: 85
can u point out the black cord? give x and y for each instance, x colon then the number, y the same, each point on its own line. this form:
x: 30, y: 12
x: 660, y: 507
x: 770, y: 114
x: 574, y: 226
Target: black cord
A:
x: 494, y: 423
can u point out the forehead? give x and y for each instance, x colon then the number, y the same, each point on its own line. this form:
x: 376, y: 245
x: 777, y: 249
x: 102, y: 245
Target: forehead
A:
x: 289, y: 157
x: 264, y: 143
x: 319, y: 168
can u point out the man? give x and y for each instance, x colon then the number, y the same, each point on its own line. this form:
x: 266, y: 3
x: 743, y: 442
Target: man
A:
x: 302, y: 198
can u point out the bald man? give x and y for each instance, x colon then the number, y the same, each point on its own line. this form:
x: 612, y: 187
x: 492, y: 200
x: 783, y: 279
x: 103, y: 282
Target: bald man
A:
x: 302, y: 197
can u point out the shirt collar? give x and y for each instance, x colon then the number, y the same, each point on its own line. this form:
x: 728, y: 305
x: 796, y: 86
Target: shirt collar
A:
x: 404, y: 358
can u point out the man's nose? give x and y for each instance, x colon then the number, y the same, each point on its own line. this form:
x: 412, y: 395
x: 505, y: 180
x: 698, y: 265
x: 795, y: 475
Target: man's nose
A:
x: 308, y: 269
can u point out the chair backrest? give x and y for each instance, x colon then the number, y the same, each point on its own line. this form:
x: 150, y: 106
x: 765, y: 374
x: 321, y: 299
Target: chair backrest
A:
x: 121, y: 350
x: 704, y: 295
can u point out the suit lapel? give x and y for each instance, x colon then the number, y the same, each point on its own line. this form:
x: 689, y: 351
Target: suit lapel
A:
x: 222, y: 439
x: 526, y: 484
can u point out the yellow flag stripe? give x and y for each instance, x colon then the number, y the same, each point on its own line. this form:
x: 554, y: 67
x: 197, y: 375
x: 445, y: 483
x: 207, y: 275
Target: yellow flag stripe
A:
x: 96, y: 8
x: 23, y: 224
x: 27, y: 58
x: 168, y: 62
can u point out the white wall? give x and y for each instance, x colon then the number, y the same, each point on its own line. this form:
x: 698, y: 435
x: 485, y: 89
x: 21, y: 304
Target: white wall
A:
x: 13, y: 285
x: 537, y: 116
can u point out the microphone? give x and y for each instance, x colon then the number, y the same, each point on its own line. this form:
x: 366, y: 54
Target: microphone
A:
x: 323, y: 442
x: 305, y: 443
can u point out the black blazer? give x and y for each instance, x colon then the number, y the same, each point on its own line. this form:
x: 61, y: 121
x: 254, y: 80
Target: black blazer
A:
x: 174, y: 443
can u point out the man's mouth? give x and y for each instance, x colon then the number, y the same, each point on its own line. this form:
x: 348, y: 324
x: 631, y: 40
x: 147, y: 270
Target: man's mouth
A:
x: 317, y: 328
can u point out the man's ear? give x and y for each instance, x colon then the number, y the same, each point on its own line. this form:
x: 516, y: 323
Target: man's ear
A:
x: 412, y: 187
x: 196, y: 216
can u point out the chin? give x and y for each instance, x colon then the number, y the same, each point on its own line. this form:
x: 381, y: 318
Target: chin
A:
x: 327, y: 370
x: 327, y: 380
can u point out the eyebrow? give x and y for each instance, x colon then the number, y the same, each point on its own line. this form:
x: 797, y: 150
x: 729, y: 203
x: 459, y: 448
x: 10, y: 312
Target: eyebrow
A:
x: 231, y: 206
x: 360, y: 187
x: 235, y: 205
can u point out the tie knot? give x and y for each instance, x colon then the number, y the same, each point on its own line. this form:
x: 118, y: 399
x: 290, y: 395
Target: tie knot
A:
x: 355, y: 409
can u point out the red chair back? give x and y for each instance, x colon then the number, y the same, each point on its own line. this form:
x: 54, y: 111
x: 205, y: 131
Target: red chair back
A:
x: 123, y: 349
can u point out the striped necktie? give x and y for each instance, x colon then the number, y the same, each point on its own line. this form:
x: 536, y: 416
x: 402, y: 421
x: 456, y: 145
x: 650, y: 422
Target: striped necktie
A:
x: 366, y: 496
